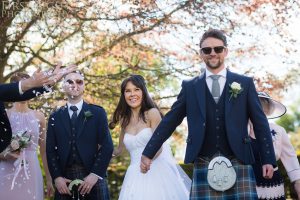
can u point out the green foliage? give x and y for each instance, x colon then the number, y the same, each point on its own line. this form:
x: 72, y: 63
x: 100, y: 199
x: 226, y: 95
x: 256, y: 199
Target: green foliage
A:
x: 291, y: 121
x: 287, y: 121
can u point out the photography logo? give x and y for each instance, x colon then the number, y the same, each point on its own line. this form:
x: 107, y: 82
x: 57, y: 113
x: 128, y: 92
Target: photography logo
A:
x: 11, y: 9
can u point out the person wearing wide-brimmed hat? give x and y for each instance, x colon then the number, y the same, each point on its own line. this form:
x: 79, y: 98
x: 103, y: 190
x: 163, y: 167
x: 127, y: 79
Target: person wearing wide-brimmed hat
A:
x: 274, y: 188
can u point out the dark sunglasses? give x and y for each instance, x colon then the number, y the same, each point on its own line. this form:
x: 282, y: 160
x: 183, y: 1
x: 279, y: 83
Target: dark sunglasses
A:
x: 208, y: 50
x: 77, y: 81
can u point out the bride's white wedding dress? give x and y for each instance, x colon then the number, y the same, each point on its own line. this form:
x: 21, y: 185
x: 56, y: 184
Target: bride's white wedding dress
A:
x: 164, y: 181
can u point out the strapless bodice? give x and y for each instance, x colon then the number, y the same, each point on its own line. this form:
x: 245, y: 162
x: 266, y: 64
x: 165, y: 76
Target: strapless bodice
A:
x: 135, y: 144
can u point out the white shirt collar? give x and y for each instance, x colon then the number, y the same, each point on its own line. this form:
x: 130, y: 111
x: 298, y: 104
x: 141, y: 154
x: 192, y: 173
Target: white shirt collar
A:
x: 78, y: 105
x: 223, y: 73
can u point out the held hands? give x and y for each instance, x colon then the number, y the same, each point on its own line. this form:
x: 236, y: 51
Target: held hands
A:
x: 61, y: 185
x: 145, y: 164
x: 88, y: 183
x: 268, y: 171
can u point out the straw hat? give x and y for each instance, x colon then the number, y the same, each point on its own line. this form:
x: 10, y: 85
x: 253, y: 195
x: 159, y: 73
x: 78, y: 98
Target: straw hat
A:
x: 277, y: 109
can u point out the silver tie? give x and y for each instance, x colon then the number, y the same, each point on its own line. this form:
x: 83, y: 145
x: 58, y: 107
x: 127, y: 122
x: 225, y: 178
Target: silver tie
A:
x: 215, y: 88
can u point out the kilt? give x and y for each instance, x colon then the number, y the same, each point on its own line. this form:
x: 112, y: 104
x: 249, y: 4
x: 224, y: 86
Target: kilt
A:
x: 98, y: 192
x: 244, y: 188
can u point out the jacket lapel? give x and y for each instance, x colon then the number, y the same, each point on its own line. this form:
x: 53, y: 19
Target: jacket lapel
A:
x: 228, y: 100
x: 200, y: 93
x: 81, y: 120
x: 65, y: 119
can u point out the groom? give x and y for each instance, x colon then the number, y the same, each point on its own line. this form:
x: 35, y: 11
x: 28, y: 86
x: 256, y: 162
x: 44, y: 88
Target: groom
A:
x: 218, y: 105
x: 78, y: 145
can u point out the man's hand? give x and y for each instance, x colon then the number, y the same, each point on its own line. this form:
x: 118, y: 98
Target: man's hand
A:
x: 61, y: 185
x: 145, y: 164
x: 60, y: 72
x: 88, y: 183
x: 297, y: 188
x: 38, y: 79
x: 46, y: 78
x: 268, y: 171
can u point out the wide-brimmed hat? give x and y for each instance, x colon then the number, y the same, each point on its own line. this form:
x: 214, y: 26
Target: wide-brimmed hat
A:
x: 277, y: 109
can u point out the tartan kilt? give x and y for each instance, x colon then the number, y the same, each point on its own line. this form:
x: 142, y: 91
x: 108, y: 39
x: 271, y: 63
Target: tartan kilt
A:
x: 98, y: 192
x: 244, y: 188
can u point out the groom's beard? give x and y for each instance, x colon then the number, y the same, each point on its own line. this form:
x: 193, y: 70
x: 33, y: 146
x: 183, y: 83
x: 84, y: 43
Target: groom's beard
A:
x: 213, y: 65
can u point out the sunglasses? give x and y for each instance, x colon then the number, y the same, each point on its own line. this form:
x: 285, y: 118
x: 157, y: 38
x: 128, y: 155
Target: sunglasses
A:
x: 208, y: 50
x: 77, y: 81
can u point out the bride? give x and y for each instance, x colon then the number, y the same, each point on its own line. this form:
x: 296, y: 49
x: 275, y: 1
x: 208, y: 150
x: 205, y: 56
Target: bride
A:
x: 138, y: 117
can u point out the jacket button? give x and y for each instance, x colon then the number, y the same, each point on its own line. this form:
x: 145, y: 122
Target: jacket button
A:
x: 204, y: 124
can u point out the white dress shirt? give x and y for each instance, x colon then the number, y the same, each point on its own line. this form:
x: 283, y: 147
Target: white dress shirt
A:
x: 222, y: 79
x: 78, y: 105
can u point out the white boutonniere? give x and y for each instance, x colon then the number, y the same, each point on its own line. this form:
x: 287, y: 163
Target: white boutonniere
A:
x: 235, y: 89
x: 87, y: 114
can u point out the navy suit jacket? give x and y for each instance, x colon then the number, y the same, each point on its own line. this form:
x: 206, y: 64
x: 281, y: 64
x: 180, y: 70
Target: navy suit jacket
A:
x: 10, y: 93
x: 93, y: 140
x: 191, y: 104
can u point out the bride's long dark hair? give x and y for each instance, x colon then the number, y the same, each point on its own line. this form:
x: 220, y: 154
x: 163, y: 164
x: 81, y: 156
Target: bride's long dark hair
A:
x: 123, y: 113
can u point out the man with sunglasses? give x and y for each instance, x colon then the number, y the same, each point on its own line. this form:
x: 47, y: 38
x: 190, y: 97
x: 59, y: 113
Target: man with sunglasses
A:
x: 79, y: 145
x: 218, y: 105
x: 24, y: 90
